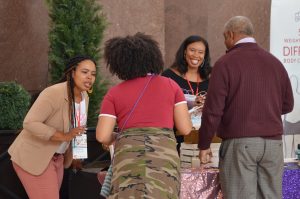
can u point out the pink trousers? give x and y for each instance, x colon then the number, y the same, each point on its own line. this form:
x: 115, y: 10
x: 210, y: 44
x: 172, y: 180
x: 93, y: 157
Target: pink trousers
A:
x: 46, y: 185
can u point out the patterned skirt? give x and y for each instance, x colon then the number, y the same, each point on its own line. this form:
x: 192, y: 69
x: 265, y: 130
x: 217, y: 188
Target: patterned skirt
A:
x: 146, y: 165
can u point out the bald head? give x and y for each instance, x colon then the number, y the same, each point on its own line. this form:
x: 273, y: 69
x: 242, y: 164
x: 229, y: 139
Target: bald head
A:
x: 239, y: 25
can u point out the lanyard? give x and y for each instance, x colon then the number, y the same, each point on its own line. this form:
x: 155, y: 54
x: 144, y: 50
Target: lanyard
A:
x: 197, y: 91
x: 78, y: 115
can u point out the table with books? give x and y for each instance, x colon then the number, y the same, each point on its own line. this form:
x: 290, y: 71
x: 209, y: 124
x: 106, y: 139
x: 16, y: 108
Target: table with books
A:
x: 198, y: 181
x: 203, y: 182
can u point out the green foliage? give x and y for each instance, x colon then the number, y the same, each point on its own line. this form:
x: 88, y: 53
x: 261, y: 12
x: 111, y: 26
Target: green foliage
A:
x: 14, y: 104
x: 76, y: 28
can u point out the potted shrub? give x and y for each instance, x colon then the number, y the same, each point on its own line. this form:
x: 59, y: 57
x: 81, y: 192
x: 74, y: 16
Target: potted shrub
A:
x: 78, y: 32
x: 14, y: 104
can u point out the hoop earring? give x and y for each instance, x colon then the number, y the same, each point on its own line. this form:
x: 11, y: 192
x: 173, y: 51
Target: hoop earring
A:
x: 90, y: 90
x: 202, y: 63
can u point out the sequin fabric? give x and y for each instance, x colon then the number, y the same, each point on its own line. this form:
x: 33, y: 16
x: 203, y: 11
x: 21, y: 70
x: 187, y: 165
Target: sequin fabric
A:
x: 291, y: 181
x: 200, y: 183
x: 204, y: 183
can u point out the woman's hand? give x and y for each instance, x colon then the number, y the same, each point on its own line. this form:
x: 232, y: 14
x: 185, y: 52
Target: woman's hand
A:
x: 105, y: 147
x: 74, y: 132
x: 76, y: 165
x: 200, y: 100
x: 114, y: 137
x: 65, y: 137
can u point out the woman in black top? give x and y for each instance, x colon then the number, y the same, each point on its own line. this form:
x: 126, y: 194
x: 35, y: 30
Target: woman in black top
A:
x: 191, y: 69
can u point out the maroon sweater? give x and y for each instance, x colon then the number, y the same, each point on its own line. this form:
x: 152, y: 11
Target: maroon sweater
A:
x: 248, y: 92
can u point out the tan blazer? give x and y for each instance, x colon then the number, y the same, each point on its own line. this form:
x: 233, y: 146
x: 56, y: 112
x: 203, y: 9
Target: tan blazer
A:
x: 32, y: 150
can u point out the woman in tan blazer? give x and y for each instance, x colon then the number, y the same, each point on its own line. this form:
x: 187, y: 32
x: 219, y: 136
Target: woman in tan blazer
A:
x: 42, y: 149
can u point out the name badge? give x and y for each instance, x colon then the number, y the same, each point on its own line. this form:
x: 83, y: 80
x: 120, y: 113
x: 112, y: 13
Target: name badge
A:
x: 79, y: 146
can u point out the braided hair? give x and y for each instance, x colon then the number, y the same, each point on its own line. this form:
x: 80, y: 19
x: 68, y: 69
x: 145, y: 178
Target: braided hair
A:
x: 71, y: 65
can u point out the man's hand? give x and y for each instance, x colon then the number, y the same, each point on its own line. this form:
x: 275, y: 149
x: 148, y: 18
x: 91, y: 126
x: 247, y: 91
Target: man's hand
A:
x: 205, y: 156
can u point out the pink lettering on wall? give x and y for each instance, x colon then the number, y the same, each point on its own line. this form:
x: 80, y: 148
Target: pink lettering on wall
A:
x: 291, y: 50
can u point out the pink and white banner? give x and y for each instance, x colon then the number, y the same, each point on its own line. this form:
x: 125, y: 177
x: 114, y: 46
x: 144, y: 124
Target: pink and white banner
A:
x: 285, y: 45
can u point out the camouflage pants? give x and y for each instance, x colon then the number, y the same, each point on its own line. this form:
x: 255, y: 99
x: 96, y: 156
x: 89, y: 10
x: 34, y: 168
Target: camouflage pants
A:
x: 146, y: 165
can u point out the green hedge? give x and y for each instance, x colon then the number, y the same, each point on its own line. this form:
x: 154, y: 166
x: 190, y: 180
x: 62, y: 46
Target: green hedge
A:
x: 77, y: 27
x: 14, y: 104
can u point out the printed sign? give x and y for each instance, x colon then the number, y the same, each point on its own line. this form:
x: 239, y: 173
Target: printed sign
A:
x: 285, y: 45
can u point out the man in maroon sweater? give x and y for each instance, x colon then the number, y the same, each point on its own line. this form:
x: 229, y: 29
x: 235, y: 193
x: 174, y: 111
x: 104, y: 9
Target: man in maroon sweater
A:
x: 249, y: 90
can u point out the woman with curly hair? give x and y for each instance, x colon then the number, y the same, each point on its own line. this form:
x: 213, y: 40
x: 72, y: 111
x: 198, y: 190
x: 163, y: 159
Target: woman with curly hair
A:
x: 145, y: 107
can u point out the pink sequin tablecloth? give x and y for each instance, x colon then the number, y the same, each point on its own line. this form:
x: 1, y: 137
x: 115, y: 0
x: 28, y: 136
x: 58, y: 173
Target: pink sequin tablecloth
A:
x: 203, y: 183
x: 199, y: 183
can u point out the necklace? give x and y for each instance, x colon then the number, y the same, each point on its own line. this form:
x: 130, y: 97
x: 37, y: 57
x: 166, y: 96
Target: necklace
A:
x: 198, y: 81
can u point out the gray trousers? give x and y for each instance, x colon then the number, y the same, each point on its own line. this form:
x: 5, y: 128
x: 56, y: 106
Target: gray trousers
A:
x: 251, y: 168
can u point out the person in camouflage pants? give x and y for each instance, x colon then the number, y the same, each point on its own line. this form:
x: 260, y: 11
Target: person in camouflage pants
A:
x: 152, y: 153
x: 145, y: 106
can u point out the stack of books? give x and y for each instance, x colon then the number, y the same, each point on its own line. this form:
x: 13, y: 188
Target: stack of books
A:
x: 189, y: 155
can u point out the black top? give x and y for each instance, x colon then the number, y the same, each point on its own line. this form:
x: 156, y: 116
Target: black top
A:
x: 183, y: 84
x: 203, y: 86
